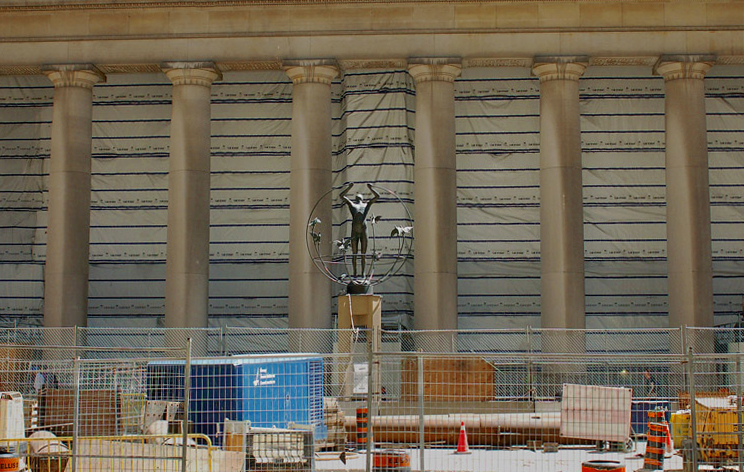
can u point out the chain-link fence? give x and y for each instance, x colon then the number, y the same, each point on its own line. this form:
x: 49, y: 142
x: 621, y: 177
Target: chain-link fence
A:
x: 242, y: 399
x: 239, y: 340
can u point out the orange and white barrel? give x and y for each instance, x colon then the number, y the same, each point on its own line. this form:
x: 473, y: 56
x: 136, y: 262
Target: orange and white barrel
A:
x: 9, y: 463
x: 602, y: 466
x: 361, y: 427
x: 391, y: 461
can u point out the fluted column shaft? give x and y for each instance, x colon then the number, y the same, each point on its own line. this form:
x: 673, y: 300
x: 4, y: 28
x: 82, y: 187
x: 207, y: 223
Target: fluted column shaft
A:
x: 435, y: 190
x: 688, y: 196
x: 187, y: 263
x: 68, y: 226
x: 561, y: 206
x: 310, y: 179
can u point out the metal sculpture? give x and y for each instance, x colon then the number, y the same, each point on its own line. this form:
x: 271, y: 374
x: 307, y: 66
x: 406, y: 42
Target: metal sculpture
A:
x: 367, y: 247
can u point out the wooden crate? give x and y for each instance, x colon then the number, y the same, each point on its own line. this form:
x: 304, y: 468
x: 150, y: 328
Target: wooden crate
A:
x: 98, y: 415
x: 449, y: 380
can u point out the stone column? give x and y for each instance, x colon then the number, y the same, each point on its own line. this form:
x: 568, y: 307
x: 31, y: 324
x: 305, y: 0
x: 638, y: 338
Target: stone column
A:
x: 690, y: 273
x: 435, y: 191
x: 561, y: 206
x: 187, y: 263
x: 310, y: 179
x: 68, y: 226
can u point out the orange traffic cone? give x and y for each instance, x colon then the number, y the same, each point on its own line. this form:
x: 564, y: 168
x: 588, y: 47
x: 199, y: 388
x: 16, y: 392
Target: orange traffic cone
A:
x: 462, y: 441
x: 669, y: 444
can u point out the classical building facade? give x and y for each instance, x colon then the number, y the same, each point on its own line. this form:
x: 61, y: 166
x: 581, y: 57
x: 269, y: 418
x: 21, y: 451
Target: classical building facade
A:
x: 570, y: 164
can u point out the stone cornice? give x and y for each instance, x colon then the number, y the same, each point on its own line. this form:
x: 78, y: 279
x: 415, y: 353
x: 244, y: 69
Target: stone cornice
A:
x: 37, y: 21
x: 497, y: 62
x: 235, y: 66
x: 389, y: 64
x: 130, y: 68
x: 352, y: 64
x: 20, y: 70
x: 637, y: 61
x: 61, y: 5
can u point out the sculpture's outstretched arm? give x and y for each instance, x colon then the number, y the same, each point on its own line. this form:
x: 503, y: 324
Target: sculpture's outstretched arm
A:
x: 372, y: 200
x: 376, y: 195
x: 343, y: 193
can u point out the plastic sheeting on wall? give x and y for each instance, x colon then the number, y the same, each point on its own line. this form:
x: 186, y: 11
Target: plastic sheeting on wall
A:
x: 497, y: 127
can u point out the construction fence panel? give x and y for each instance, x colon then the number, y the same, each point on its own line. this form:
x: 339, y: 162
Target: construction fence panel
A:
x: 277, y: 411
x: 714, y: 403
x: 374, y: 400
x: 204, y: 341
x: 605, y: 341
x: 494, y: 341
x: 658, y: 340
x: 63, y: 337
x: 496, y: 411
x: 69, y: 409
x: 274, y: 340
x: 242, y: 340
x: 148, y: 453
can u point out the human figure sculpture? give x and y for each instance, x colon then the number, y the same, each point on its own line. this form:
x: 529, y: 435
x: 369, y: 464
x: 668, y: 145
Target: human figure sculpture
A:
x: 359, y: 210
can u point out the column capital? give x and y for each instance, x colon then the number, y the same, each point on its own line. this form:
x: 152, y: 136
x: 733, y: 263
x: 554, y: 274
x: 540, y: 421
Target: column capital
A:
x: 559, y: 67
x: 673, y: 67
x: 73, y: 75
x: 437, y: 69
x: 191, y: 73
x: 311, y: 71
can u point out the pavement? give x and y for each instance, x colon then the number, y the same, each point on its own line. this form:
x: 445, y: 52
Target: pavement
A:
x: 566, y: 459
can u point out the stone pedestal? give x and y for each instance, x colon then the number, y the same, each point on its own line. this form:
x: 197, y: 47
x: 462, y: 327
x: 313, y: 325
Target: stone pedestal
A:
x: 362, y: 312
x: 68, y: 226
x: 358, y: 312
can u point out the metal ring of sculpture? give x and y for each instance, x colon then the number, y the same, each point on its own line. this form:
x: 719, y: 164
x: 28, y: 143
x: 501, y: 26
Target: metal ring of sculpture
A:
x: 365, y: 246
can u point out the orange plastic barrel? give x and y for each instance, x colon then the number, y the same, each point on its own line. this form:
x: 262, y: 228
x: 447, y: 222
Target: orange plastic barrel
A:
x: 391, y: 461
x: 361, y: 429
x: 653, y: 459
x: 9, y: 463
x: 602, y: 466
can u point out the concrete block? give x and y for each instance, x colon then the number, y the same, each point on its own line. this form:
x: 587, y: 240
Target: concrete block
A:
x: 600, y: 14
x: 517, y: 16
x: 566, y: 15
x: 642, y: 14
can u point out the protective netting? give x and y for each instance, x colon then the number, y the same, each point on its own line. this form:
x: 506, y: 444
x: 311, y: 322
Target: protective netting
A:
x: 497, y: 125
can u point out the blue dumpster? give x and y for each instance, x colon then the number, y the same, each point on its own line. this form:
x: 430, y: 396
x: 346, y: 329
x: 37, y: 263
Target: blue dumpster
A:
x: 267, y: 391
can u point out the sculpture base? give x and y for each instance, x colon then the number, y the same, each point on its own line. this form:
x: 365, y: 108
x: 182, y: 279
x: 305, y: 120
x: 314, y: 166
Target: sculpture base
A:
x: 357, y: 312
x: 353, y: 288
